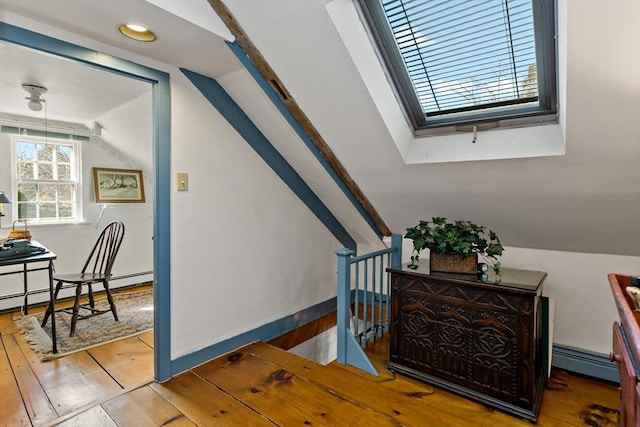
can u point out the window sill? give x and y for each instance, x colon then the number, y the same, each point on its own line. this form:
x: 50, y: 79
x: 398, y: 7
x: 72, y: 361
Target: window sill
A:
x: 9, y: 225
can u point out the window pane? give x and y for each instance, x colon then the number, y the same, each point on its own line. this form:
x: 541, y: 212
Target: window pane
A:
x: 64, y: 153
x: 26, y: 170
x: 43, y: 165
x: 45, y: 171
x: 47, y: 210
x: 466, y: 54
x: 65, y: 192
x: 65, y: 210
x: 26, y: 151
x: 45, y: 152
x: 64, y: 172
x: 26, y: 210
x: 27, y: 192
x: 47, y: 192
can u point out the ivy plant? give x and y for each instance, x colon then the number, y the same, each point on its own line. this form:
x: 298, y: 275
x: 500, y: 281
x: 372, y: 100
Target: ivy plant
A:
x: 458, y: 237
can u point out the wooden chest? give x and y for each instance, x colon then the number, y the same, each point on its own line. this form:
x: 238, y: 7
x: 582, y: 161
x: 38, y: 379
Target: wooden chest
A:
x: 480, y: 340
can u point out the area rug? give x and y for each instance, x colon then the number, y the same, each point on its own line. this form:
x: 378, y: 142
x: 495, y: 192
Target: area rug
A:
x: 135, y: 314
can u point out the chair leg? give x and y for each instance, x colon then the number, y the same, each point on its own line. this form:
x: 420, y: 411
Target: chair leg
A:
x: 76, y: 309
x: 92, y: 302
x: 110, y: 299
x: 55, y: 298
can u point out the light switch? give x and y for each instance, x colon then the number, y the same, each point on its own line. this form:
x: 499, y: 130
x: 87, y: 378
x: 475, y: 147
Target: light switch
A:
x: 183, y: 181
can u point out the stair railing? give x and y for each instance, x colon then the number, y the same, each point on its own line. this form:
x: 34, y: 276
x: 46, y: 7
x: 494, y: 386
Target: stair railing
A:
x: 365, y: 292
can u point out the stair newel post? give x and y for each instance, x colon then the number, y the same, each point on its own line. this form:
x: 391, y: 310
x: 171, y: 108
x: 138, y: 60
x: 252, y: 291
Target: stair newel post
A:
x: 396, y: 243
x: 344, y: 301
x: 395, y: 259
x: 349, y: 350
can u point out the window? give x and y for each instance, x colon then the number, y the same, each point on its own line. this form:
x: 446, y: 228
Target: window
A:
x: 47, y: 181
x: 459, y: 62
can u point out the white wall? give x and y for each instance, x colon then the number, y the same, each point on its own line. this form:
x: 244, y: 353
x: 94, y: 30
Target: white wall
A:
x: 246, y: 251
x: 585, y: 310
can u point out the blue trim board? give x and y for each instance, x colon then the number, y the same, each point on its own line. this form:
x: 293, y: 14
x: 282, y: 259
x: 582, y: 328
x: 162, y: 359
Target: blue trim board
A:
x: 41, y: 42
x: 161, y: 164
x: 277, y: 102
x: 232, y: 112
x: 583, y: 362
x: 265, y: 333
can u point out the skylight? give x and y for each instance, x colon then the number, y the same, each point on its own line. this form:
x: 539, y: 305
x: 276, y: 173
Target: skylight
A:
x: 458, y: 61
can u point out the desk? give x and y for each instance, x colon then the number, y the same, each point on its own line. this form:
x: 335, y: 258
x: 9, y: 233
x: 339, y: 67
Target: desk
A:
x: 27, y: 266
x: 481, y: 340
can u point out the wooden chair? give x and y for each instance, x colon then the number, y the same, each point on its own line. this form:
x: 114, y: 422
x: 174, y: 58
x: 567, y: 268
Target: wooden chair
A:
x: 97, y: 269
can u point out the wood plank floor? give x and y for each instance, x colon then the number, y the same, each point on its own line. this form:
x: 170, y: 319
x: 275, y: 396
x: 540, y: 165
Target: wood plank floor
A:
x: 33, y: 392
x: 257, y: 385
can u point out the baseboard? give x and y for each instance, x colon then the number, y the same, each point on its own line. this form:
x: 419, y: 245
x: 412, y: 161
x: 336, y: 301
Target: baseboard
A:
x: 585, y: 363
x: 266, y: 333
x: 45, y: 303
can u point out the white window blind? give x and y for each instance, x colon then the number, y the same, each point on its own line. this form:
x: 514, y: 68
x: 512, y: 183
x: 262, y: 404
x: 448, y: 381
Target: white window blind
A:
x: 457, y: 61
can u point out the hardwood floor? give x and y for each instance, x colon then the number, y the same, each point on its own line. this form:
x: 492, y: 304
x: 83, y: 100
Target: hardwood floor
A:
x: 36, y: 393
x: 257, y: 385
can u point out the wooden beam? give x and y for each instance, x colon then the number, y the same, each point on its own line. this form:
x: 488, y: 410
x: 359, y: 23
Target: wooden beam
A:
x: 269, y: 75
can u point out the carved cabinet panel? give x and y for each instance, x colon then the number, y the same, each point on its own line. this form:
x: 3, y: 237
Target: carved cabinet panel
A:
x: 477, y: 339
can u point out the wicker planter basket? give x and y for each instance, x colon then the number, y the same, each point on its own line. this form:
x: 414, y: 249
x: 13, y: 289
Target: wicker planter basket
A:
x: 453, y: 263
x: 20, y: 234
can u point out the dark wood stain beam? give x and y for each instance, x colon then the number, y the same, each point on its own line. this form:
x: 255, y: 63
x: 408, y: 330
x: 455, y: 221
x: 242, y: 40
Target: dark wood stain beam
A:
x: 269, y: 75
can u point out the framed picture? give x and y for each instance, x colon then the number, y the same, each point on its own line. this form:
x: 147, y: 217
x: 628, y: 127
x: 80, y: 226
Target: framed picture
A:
x: 118, y: 185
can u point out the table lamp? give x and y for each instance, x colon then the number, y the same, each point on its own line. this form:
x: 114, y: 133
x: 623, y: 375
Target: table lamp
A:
x: 3, y: 199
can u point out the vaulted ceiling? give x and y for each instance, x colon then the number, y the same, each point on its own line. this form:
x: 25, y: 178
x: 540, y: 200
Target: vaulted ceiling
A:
x: 587, y: 200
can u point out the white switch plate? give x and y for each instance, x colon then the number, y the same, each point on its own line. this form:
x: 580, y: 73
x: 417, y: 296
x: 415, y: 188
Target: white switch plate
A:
x: 183, y: 181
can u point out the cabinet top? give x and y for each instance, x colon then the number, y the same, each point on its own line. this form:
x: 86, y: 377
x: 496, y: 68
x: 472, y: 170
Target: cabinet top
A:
x: 510, y: 277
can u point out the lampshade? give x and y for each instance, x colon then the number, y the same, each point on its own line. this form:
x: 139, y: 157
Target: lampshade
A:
x: 35, y: 105
x: 4, y: 198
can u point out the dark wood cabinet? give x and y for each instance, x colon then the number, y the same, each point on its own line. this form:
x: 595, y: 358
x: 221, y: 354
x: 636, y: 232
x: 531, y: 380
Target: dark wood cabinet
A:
x: 478, y: 339
x: 626, y: 350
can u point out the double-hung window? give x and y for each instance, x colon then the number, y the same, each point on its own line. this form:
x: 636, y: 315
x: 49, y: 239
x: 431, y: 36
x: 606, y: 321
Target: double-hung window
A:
x: 461, y: 62
x: 47, y: 180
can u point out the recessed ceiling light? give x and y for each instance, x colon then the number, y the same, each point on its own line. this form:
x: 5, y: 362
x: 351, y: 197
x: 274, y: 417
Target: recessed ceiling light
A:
x: 137, y: 32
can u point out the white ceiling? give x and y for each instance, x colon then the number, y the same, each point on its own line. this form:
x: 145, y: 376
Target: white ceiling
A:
x: 74, y: 93
x: 84, y: 93
x: 585, y: 201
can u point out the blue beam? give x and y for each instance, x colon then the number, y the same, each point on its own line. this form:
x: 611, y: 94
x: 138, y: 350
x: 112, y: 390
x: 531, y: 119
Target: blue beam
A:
x: 277, y: 102
x: 232, y: 112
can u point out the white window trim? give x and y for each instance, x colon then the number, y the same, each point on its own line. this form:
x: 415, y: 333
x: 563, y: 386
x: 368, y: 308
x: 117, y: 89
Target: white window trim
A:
x: 532, y: 140
x: 79, y: 189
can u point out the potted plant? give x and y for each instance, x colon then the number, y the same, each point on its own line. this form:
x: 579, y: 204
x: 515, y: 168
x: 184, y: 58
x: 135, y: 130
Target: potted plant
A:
x: 462, y: 241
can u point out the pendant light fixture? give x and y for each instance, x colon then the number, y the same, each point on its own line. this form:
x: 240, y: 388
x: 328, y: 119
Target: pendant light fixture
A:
x: 35, y: 96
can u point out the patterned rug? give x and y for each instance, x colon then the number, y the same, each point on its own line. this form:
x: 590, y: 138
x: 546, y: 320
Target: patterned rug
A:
x: 135, y: 314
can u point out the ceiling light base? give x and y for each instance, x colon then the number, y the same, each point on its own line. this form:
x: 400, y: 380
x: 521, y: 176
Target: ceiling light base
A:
x: 35, y: 93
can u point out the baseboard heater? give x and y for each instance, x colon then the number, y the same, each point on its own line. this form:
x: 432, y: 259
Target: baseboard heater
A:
x: 46, y: 290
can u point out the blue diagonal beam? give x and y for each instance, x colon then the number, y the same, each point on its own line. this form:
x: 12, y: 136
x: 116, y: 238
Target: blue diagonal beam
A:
x: 282, y: 108
x: 232, y: 112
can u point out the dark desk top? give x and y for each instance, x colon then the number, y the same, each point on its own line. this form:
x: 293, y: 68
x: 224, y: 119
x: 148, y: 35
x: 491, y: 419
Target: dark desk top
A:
x: 37, y: 257
x: 510, y: 277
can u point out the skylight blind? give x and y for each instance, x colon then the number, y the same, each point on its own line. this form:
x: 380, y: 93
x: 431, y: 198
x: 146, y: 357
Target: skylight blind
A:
x: 466, y: 55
